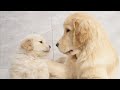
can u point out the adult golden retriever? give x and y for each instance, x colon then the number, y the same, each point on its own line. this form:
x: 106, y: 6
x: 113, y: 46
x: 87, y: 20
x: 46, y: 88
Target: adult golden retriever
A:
x: 90, y: 53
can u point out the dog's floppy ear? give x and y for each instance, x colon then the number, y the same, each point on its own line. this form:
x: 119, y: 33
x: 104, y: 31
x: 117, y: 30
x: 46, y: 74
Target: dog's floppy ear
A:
x: 27, y: 45
x: 81, y: 32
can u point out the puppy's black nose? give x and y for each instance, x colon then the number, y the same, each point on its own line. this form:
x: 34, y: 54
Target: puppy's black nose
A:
x: 49, y: 46
x: 57, y: 44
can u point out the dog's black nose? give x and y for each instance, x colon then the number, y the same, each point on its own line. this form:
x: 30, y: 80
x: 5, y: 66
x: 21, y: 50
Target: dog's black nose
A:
x: 57, y: 44
x: 49, y: 46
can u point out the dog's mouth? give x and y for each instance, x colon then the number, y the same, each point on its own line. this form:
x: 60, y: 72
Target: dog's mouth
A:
x: 46, y: 51
x: 68, y: 52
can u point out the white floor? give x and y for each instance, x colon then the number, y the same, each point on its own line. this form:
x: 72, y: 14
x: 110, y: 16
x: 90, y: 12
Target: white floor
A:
x: 15, y: 25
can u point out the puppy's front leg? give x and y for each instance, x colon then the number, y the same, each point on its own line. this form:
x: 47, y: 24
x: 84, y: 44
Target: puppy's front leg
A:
x: 57, y: 70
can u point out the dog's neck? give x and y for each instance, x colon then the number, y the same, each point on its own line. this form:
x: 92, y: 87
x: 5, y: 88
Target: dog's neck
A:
x: 90, y: 50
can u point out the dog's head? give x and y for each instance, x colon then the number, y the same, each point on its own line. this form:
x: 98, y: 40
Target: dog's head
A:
x: 36, y: 44
x: 78, y: 30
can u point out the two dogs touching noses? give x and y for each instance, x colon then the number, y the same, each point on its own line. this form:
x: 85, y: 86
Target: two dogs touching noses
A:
x: 83, y: 42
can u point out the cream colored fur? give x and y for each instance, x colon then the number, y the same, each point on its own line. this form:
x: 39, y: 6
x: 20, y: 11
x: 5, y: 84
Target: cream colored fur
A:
x: 30, y: 62
x: 61, y: 60
x: 90, y: 53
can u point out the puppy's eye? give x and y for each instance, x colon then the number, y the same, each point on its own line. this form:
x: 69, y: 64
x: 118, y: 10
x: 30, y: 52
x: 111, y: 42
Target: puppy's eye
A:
x: 40, y: 41
x: 68, y: 30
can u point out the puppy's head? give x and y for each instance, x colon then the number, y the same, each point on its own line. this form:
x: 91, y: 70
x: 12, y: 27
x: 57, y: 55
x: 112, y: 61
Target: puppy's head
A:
x: 78, y: 29
x: 36, y: 44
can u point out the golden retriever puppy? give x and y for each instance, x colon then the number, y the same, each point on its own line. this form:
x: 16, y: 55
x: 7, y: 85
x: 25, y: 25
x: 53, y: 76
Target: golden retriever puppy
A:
x: 29, y: 62
x: 91, y: 55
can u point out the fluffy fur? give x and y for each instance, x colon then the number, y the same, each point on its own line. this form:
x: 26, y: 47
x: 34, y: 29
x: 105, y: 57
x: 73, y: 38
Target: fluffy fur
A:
x: 61, y: 60
x: 29, y: 62
x: 90, y: 53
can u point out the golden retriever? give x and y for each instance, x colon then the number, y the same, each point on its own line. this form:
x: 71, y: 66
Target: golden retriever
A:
x: 29, y: 62
x: 90, y: 53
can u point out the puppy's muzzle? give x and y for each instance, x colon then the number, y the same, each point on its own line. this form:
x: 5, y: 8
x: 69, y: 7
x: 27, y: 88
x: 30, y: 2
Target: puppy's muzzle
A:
x: 47, y: 49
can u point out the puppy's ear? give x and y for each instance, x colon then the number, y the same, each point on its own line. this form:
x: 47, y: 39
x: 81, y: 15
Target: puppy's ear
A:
x: 81, y: 32
x: 27, y: 45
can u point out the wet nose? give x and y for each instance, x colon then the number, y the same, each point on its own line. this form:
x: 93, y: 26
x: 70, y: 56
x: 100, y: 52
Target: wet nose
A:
x: 49, y: 46
x: 57, y: 44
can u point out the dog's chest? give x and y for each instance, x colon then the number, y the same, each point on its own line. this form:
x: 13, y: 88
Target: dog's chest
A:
x: 71, y: 64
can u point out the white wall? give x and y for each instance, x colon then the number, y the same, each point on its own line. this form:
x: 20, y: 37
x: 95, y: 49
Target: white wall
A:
x: 15, y: 25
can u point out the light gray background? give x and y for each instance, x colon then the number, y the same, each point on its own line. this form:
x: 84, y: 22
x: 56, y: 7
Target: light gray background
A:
x: 14, y: 25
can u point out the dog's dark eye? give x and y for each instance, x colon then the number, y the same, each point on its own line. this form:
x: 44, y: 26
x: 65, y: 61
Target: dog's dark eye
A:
x: 40, y: 41
x: 67, y: 30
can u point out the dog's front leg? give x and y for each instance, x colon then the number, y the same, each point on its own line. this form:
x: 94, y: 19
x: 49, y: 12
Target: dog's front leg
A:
x: 57, y: 70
